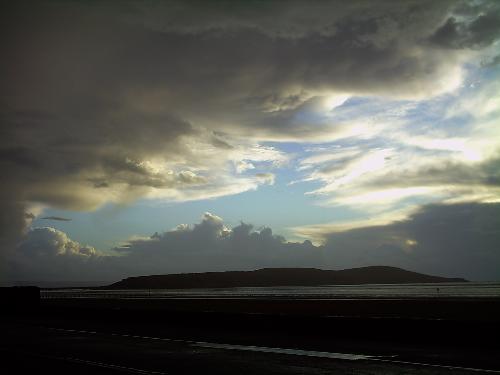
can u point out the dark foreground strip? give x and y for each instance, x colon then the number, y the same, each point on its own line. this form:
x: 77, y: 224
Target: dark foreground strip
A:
x: 109, y: 366
x: 262, y: 349
x: 86, y: 362
x: 435, y: 365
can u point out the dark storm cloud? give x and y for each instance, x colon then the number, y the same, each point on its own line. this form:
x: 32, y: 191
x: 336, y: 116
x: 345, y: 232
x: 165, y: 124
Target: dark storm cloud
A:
x: 13, y: 222
x: 95, y: 96
x: 470, y: 31
x: 461, y: 239
x: 451, y: 173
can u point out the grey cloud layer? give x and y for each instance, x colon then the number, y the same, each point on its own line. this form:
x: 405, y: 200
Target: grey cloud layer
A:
x: 469, y: 30
x: 109, y: 102
x: 441, y: 239
x: 486, y: 173
x: 451, y: 240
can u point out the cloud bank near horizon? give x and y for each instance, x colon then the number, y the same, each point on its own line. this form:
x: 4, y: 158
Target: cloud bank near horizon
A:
x: 447, y: 240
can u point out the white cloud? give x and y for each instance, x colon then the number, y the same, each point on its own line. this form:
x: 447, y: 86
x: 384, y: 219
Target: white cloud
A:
x: 242, y: 166
x: 423, y: 152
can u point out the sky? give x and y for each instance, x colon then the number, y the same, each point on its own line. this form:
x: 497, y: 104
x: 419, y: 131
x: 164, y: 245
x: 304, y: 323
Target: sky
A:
x: 143, y: 137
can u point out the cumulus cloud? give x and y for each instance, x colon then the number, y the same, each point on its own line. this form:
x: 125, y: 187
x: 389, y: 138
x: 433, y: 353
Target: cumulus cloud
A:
x: 211, y: 246
x: 49, y: 254
x: 47, y: 242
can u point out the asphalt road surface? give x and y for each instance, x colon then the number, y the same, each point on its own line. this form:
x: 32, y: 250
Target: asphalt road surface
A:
x: 35, y: 346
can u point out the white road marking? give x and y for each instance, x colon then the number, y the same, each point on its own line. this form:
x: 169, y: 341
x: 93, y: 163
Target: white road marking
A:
x: 307, y: 353
x: 263, y: 349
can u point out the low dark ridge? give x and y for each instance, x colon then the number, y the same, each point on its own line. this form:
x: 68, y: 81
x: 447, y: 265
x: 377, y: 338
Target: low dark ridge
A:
x: 279, y: 277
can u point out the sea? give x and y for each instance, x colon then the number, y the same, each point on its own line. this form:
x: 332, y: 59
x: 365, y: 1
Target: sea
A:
x: 365, y: 291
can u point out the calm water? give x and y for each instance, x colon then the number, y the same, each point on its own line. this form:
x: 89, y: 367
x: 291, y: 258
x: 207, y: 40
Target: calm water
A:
x: 440, y: 290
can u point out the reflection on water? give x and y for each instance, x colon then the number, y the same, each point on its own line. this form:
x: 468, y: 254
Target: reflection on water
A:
x: 428, y: 290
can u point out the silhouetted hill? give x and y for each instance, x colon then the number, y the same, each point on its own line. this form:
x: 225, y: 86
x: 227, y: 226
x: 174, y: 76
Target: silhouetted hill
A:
x: 279, y: 277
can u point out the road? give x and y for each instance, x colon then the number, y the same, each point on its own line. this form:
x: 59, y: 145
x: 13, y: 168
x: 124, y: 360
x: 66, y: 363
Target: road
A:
x: 62, y: 345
